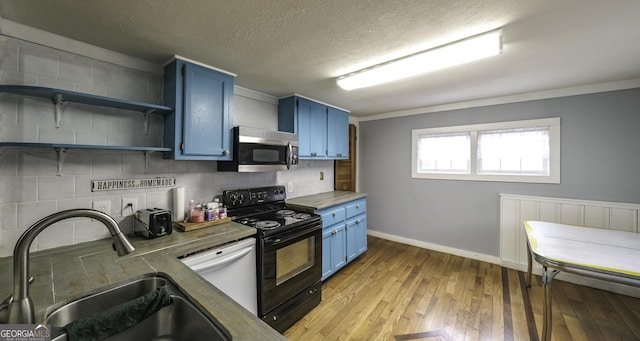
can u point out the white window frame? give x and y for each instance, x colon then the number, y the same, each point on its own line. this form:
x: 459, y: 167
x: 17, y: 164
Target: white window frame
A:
x: 554, y: 151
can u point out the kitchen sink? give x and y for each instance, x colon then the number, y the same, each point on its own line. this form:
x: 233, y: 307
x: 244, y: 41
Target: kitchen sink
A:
x: 180, y: 320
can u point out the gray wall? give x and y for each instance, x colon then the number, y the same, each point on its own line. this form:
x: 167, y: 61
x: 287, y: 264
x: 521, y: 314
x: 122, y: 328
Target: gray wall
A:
x: 600, y: 160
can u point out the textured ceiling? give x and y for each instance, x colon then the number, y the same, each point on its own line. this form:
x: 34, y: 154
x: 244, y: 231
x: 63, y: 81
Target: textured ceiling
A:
x: 280, y: 47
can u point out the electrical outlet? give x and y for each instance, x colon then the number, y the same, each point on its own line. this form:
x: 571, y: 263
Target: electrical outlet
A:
x: 126, y: 209
x: 290, y: 187
x: 321, y: 176
x: 102, y: 206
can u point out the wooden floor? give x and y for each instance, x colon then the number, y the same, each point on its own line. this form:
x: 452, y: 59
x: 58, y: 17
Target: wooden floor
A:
x: 400, y: 292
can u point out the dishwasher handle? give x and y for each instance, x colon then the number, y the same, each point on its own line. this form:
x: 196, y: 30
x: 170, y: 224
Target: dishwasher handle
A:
x: 219, y: 262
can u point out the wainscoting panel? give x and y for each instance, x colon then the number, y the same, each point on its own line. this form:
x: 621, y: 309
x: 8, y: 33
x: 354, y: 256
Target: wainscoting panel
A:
x: 515, y: 209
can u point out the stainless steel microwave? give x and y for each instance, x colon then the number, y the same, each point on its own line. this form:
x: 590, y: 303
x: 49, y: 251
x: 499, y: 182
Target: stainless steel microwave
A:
x: 260, y: 150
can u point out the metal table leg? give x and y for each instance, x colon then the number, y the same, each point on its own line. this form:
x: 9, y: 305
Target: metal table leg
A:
x: 547, y: 278
x: 529, y: 260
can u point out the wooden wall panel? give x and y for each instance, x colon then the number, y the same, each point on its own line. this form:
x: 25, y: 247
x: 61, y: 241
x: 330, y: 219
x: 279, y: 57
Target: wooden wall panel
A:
x: 596, y: 216
x: 515, y: 209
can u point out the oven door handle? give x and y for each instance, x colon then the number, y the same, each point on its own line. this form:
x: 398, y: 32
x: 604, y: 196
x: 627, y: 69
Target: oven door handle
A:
x: 277, y: 240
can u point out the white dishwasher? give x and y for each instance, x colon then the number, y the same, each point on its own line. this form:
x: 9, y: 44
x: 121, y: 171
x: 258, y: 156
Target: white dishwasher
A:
x: 230, y: 268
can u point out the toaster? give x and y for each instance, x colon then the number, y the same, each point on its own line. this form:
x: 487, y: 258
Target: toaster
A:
x: 153, y: 222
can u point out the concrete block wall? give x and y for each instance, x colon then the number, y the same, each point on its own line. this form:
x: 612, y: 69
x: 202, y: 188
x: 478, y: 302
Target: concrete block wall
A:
x: 29, y: 186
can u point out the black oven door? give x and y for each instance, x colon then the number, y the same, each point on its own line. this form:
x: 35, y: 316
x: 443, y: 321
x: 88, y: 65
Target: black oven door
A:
x: 291, y: 262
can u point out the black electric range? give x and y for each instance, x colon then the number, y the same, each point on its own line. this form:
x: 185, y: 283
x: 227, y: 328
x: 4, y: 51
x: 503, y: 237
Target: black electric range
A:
x: 289, y: 253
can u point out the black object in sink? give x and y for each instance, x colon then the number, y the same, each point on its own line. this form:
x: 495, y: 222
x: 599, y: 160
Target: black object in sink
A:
x: 180, y: 320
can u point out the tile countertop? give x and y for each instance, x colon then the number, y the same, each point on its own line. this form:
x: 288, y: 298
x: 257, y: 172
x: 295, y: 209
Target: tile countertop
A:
x: 323, y: 200
x: 69, y: 272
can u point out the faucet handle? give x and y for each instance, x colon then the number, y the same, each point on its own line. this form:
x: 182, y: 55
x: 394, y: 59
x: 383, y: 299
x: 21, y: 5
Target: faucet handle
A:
x: 9, y: 298
x: 4, y: 306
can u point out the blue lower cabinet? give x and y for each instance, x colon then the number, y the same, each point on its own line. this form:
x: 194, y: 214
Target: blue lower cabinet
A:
x: 351, y: 241
x: 344, y: 235
x: 356, y: 237
x: 361, y: 235
x: 327, y: 245
x: 333, y: 249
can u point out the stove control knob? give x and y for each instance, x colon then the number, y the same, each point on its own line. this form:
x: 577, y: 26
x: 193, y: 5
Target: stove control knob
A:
x: 236, y: 198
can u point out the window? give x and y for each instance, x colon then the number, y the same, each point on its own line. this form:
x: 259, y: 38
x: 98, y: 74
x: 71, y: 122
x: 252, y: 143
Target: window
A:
x: 444, y: 153
x: 518, y: 151
x: 514, y: 151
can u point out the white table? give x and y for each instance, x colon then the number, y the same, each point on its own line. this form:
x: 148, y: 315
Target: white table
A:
x: 609, y: 255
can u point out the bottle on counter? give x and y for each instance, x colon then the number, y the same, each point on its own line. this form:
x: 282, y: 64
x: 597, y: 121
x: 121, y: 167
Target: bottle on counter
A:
x: 189, y: 209
x: 216, y: 208
x: 223, y: 212
x: 209, y: 213
x: 197, y: 214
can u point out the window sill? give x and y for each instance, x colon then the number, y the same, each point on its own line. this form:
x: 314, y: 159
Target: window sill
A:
x: 552, y: 179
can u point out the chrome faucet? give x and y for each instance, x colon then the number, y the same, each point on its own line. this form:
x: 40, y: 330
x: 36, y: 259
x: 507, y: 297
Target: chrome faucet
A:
x: 20, y: 308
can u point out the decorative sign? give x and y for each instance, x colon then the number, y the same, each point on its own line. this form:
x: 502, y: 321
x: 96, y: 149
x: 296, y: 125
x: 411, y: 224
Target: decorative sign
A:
x: 124, y: 184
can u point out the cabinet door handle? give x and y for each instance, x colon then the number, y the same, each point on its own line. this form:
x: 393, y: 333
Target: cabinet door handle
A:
x: 225, y: 152
x: 334, y: 232
x: 357, y: 206
x: 358, y: 221
x: 334, y: 214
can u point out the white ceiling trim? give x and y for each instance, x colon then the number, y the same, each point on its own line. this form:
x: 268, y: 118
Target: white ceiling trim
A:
x: 255, y: 95
x: 200, y: 64
x: 315, y: 100
x: 522, y: 97
x: 37, y: 36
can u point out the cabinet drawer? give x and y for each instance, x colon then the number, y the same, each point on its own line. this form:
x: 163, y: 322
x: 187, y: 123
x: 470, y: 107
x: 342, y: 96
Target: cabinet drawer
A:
x: 356, y: 207
x: 332, y: 216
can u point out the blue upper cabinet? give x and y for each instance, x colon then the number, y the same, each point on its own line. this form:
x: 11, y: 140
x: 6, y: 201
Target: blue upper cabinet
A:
x: 200, y: 127
x: 312, y: 128
x: 323, y: 131
x: 337, y: 134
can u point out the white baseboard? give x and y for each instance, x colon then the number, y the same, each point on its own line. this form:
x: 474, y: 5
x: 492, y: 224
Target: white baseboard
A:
x: 436, y: 247
x: 537, y: 269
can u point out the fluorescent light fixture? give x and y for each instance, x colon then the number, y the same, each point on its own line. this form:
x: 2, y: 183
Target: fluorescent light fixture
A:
x: 459, y: 52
